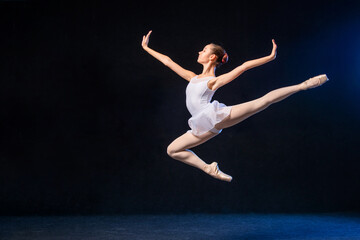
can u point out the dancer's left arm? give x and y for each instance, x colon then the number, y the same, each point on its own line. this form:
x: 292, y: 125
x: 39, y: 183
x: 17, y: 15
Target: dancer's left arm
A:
x: 230, y: 76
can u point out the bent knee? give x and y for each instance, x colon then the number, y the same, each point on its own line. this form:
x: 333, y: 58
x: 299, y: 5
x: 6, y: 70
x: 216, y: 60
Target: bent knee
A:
x: 174, y: 152
x: 171, y: 151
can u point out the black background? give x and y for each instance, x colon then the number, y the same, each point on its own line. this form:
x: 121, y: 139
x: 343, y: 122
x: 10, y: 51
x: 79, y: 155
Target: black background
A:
x: 86, y: 114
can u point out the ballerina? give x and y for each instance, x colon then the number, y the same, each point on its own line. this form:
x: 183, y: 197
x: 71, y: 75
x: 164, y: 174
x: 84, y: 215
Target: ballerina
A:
x: 209, y: 118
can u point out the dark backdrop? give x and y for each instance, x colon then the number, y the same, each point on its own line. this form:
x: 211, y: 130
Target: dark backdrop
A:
x: 86, y: 114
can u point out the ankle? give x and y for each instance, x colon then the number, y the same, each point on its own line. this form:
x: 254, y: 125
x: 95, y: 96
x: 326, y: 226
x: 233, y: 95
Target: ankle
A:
x: 206, y: 168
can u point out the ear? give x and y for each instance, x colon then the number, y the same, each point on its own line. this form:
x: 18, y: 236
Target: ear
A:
x: 213, y: 57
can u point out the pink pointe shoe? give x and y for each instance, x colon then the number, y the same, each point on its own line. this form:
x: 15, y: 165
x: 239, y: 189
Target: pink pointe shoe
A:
x: 214, y: 171
x: 315, y: 81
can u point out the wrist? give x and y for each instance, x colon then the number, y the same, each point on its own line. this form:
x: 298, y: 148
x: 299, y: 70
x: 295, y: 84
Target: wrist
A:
x: 271, y: 57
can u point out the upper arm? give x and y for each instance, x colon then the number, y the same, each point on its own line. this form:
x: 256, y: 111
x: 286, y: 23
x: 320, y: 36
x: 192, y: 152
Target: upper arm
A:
x: 226, y: 78
x: 186, y: 74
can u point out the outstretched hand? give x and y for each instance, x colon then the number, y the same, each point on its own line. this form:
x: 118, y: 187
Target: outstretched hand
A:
x: 273, y: 52
x: 145, y: 40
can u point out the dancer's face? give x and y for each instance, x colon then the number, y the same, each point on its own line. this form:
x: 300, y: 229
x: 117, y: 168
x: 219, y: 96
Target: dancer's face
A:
x: 206, y: 55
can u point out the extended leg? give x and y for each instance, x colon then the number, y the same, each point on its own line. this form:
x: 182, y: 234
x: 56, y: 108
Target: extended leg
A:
x: 179, y: 150
x: 242, y: 111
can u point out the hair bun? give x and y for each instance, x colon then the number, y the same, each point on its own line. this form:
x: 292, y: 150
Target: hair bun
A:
x: 225, y: 58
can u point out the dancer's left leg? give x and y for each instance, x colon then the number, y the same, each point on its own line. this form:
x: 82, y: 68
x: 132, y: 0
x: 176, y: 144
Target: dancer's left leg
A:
x: 179, y: 149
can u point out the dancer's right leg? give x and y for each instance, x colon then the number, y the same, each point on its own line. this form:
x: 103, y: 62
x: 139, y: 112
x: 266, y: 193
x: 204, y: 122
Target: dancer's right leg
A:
x: 242, y: 111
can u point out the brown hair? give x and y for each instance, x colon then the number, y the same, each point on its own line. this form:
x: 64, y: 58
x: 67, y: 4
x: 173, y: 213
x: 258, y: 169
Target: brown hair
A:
x: 220, y: 53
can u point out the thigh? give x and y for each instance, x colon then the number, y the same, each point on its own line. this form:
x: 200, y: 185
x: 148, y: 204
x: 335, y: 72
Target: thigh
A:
x: 188, y: 140
x: 242, y: 111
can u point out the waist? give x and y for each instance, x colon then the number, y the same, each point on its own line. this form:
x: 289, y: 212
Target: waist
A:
x: 195, y: 107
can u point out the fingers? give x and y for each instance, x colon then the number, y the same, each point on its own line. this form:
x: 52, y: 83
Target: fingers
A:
x: 148, y: 35
x: 145, y: 39
x: 273, y: 52
x: 274, y: 45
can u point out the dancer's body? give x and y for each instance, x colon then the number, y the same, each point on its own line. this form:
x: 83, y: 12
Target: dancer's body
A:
x: 209, y: 118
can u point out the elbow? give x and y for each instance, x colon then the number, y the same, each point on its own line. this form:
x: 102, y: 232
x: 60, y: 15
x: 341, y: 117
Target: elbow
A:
x: 167, y: 61
x: 244, y: 67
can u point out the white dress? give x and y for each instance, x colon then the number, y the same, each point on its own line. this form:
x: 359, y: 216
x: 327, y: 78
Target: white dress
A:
x: 205, y: 114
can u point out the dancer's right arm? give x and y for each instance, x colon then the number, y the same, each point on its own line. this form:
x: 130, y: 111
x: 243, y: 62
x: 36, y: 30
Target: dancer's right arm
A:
x: 186, y: 74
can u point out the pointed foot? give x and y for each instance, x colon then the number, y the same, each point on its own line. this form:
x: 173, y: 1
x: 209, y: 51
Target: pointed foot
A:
x: 315, y: 82
x: 214, y: 171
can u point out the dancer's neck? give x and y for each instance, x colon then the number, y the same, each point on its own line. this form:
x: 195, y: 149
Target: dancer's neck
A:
x: 208, y: 70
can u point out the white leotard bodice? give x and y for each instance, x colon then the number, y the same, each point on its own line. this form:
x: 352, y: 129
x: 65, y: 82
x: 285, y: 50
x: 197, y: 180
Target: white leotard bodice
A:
x: 198, y: 95
x: 205, y: 114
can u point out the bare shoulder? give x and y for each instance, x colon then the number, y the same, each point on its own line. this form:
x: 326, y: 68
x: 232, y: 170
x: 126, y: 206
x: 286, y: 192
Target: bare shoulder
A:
x: 184, y: 73
x: 191, y: 75
x: 213, y: 83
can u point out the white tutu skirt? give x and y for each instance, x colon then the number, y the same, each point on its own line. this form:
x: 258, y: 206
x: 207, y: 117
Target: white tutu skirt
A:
x: 207, y: 118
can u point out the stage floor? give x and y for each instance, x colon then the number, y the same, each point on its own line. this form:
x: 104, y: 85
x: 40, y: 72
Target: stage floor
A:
x: 173, y: 227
